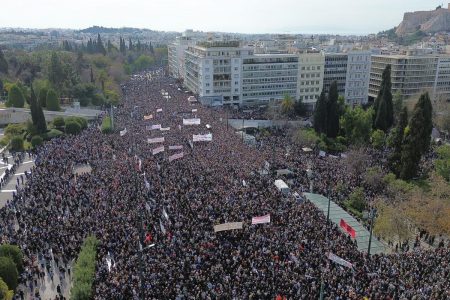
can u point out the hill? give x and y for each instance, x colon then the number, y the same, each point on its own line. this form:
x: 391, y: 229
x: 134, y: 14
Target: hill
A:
x: 123, y: 30
x: 425, y: 21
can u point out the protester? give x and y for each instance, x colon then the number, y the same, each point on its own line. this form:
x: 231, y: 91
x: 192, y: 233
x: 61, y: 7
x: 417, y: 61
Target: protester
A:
x: 137, y: 203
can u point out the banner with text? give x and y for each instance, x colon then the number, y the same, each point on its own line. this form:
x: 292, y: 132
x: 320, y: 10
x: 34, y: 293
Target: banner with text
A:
x: 176, y: 147
x: 176, y: 156
x: 202, y: 137
x: 195, y: 121
x: 158, y: 150
x: 228, y: 226
x: 261, y: 220
x: 339, y: 260
x: 156, y: 140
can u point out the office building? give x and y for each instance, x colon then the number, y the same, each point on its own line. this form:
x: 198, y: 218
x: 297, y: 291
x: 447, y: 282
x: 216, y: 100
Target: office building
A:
x: 310, y: 77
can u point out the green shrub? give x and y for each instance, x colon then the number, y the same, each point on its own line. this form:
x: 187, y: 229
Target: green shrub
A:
x: 443, y: 162
x: 80, y: 120
x: 73, y: 127
x: 106, y: 125
x: 52, y: 101
x: 53, y: 133
x: 8, y: 272
x: 59, y: 122
x: 5, y: 292
x: 378, y: 139
x: 15, y: 97
x: 36, y: 141
x: 16, y: 143
x: 14, y: 129
x: 84, y: 270
x: 42, y: 98
x: 356, y: 200
x: 14, y: 252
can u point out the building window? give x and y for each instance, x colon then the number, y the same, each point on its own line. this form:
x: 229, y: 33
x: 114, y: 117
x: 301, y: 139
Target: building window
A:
x: 207, y: 91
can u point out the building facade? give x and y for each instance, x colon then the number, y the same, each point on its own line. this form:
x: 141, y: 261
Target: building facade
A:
x: 412, y: 75
x: 176, y: 56
x: 311, y: 68
x: 335, y: 70
x: 357, y: 77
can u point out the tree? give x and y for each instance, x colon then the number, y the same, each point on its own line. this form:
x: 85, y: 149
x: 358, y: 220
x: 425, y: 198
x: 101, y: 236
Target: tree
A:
x: 299, y: 108
x: 333, y: 111
x: 15, y: 97
x: 43, y: 96
x: 287, y: 105
x: 72, y: 127
x: 13, y: 252
x: 55, y: 71
x: 100, y: 47
x: 378, y: 139
x: 442, y: 164
x: 8, y: 272
x: 37, y: 115
x: 356, y: 199
x: 411, y: 152
x: 320, y: 114
x: 130, y: 44
x: 16, y: 143
x: 399, y: 132
x: 52, y: 101
x: 384, y: 111
x: 356, y: 124
x: 305, y: 137
x: 3, y: 63
x: 391, y: 222
x: 84, y: 270
x: 425, y: 104
x: 5, y: 292
x: 373, y: 178
x: 398, y: 105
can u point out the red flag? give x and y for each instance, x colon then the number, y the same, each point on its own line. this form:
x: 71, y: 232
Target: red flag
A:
x: 347, y: 228
x: 148, y: 238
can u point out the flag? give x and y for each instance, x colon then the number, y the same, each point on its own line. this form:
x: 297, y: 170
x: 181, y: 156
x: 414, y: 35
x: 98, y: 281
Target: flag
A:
x: 163, y: 229
x: 123, y: 132
x: 156, y: 140
x: 339, y: 260
x: 176, y: 156
x: 165, y: 214
x: 158, y: 150
x: 148, y: 238
x: 347, y: 228
x: 147, y: 184
x: 140, y: 165
x: 261, y: 220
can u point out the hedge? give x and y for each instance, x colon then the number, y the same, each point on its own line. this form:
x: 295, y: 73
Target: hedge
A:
x: 106, y: 125
x: 36, y: 141
x: 84, y: 270
x: 17, y: 143
x: 80, y: 120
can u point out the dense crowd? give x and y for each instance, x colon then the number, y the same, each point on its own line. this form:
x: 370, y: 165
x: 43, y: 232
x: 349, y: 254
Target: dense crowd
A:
x: 133, y: 200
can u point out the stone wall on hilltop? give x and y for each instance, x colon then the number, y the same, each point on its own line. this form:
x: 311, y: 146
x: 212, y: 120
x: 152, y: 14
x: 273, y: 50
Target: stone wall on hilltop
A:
x: 426, y: 21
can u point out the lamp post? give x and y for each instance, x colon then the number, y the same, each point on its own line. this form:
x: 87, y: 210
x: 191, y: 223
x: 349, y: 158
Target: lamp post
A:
x: 309, y: 173
x: 372, y: 217
x: 329, y: 203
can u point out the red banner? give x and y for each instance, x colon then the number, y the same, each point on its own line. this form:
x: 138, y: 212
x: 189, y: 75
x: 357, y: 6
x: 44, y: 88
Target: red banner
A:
x: 347, y: 228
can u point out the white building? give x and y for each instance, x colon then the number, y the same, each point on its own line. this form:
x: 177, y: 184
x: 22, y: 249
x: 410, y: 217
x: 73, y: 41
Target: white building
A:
x: 176, y: 54
x: 358, y: 77
x: 311, y: 68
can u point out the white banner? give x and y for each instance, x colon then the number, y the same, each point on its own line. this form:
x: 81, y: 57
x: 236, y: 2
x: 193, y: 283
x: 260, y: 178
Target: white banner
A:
x: 261, y: 220
x: 195, y: 121
x: 158, y: 150
x: 123, y: 132
x: 156, y: 126
x: 339, y: 260
x: 202, y: 137
x: 322, y: 153
x: 149, y: 117
x: 156, y: 140
x: 159, y: 110
x: 194, y: 110
x: 228, y: 226
x: 176, y: 156
x: 164, y: 129
x: 176, y: 147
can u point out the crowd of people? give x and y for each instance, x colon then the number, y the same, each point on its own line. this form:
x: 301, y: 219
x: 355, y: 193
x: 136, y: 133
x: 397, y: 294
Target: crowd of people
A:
x: 155, y: 217
x: 16, y: 159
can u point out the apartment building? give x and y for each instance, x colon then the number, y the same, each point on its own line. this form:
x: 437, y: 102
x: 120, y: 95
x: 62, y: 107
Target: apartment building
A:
x: 176, y: 56
x: 412, y: 74
x: 351, y: 71
x: 213, y: 71
x: 311, y: 68
x: 357, y: 77
x: 268, y: 77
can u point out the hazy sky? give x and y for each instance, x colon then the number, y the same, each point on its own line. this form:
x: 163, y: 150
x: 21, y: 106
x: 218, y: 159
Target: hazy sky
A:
x: 246, y: 16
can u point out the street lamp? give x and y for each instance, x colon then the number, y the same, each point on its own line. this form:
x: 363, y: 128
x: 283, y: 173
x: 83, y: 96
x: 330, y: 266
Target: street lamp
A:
x: 372, y: 216
x: 310, y: 175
